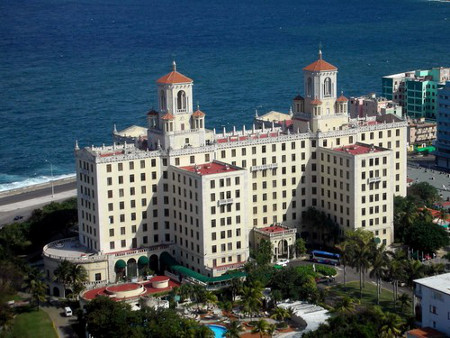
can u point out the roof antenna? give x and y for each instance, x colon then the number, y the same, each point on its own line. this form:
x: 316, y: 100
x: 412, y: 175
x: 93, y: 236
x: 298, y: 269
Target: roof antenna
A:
x: 174, y: 66
x: 320, y: 50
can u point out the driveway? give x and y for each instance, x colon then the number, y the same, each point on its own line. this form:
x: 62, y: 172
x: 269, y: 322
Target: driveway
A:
x: 62, y: 324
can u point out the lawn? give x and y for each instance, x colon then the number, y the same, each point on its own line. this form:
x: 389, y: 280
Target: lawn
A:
x: 34, y: 324
x: 369, y: 295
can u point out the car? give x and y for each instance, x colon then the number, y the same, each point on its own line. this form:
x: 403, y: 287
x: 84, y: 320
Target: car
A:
x: 282, y: 262
x: 68, y: 311
x: 18, y: 218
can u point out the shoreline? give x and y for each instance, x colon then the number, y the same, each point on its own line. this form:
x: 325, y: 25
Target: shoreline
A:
x: 22, y: 201
x: 38, y: 186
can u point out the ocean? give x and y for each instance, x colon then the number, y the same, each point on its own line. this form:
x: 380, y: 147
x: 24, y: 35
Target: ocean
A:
x: 69, y: 70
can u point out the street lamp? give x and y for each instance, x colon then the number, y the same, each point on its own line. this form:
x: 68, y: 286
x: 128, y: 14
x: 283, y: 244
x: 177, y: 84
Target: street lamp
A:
x: 51, y: 179
x: 51, y: 174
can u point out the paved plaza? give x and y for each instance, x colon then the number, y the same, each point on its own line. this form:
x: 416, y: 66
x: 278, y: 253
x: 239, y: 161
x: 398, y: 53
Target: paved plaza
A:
x: 424, y: 170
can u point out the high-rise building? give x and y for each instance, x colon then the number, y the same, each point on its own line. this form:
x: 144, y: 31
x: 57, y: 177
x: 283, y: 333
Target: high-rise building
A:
x: 416, y: 90
x: 203, y: 198
x: 443, y: 127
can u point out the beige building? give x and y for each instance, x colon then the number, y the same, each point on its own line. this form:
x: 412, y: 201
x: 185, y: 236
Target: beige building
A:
x: 197, y: 194
x: 372, y: 105
x: 421, y: 131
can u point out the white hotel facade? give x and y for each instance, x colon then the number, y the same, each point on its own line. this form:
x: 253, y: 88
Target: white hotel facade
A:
x: 197, y: 194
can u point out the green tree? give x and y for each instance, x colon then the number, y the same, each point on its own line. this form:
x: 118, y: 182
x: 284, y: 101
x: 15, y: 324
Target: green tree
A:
x: 235, y: 287
x: 263, y: 254
x: 300, y: 248
x: 252, y: 297
x: 405, y: 300
x: 379, y: 262
x: 234, y: 329
x: 423, y: 193
x: 106, y: 318
x: 434, y: 269
x: 261, y: 327
x: 280, y: 314
x: 271, y: 328
x: 276, y: 296
x: 72, y: 276
x: 345, y: 305
x: 426, y: 236
x: 391, y: 326
x: 38, y: 290
x: 346, y: 256
x: 361, y: 244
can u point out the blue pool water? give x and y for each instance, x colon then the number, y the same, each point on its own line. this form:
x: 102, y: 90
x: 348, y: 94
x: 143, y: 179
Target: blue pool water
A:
x: 219, y: 331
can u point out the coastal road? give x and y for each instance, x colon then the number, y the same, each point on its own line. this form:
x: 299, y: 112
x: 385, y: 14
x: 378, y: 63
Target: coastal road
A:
x: 23, y: 202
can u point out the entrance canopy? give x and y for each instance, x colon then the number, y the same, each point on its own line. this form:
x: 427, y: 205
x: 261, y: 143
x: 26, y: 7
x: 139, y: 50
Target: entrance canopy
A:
x: 143, y: 260
x: 120, y: 264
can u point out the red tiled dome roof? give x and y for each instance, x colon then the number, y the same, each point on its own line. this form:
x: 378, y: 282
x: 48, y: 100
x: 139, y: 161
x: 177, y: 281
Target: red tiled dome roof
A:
x: 342, y: 98
x: 316, y: 101
x: 198, y: 113
x: 174, y: 77
x: 167, y: 116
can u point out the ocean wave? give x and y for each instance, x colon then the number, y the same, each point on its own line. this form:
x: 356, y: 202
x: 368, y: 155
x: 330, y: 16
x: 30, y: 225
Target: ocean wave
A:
x: 32, y: 181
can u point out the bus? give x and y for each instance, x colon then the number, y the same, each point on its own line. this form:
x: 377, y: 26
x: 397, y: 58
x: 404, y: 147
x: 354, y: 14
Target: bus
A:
x: 325, y: 257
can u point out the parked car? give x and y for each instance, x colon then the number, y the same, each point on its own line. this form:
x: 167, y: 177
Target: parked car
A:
x: 18, y: 218
x: 282, y: 262
x: 68, y: 311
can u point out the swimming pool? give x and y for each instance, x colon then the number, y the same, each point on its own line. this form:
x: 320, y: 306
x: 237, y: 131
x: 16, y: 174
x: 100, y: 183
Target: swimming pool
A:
x: 219, y: 331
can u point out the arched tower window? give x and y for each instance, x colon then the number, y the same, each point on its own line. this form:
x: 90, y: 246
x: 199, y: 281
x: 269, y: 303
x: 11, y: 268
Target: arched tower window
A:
x: 309, y: 87
x: 162, y: 99
x: 181, y: 100
x: 327, y: 87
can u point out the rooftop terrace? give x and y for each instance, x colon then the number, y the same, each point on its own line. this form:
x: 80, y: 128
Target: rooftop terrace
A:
x: 210, y: 168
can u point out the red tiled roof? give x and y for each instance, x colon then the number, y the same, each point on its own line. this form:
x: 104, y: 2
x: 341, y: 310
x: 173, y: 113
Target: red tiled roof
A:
x: 167, y: 116
x: 356, y: 149
x: 209, y: 168
x: 148, y: 289
x: 319, y: 65
x: 174, y: 77
x: 273, y: 229
x: 298, y: 98
x: 316, y: 101
x: 342, y: 98
x: 159, y: 279
x: 198, y: 113
x: 152, y: 112
x: 426, y: 332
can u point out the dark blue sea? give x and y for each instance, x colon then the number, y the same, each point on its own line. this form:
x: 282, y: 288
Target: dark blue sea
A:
x: 69, y: 70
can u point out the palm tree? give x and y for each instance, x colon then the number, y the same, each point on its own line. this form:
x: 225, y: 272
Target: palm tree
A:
x: 252, y: 297
x: 361, y: 245
x: 38, y: 291
x: 379, y: 262
x: 346, y: 255
x: 210, y: 298
x: 391, y: 326
x: 199, y: 294
x: 235, y: 288
x: 276, y: 296
x: 345, y: 305
x: 62, y: 273
x: 234, y: 329
x: 185, y: 291
x: 404, y: 300
x: 435, y: 269
x: 261, y: 327
x: 395, y: 271
x: 280, y: 314
x: 71, y: 275
x: 271, y: 329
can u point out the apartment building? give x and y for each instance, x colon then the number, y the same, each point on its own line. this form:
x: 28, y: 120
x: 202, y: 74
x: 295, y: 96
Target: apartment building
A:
x: 443, y: 127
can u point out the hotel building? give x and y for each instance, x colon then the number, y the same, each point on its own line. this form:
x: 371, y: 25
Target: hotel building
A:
x: 206, y: 198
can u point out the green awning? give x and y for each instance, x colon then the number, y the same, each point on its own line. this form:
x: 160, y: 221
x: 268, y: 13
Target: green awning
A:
x: 143, y: 260
x: 173, y: 265
x: 120, y: 264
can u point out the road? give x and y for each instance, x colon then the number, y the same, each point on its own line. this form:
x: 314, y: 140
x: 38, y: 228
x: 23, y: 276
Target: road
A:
x: 23, y: 203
